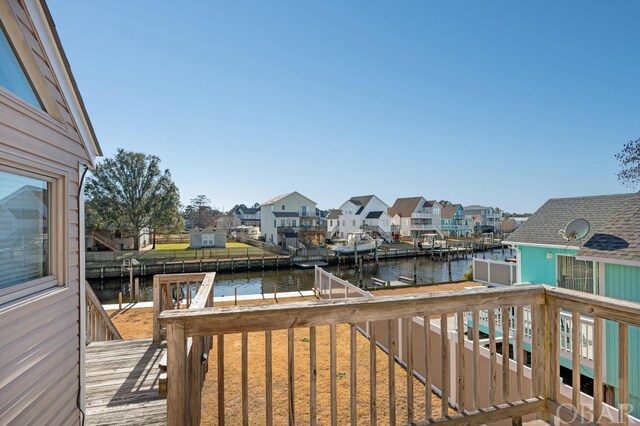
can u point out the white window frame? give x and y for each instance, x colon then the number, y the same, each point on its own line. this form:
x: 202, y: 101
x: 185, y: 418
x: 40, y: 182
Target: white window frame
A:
x: 58, y: 210
x: 595, y: 272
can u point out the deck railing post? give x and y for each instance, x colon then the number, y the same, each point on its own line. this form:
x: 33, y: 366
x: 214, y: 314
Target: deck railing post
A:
x: 177, y: 375
x: 156, y: 308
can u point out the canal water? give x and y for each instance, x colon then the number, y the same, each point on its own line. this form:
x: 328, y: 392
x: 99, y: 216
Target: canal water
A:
x: 258, y: 282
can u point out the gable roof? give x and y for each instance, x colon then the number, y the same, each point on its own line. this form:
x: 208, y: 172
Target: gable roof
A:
x: 405, y: 206
x: 475, y: 207
x: 91, y: 136
x: 614, y: 220
x: 362, y: 200
x: 283, y: 196
x: 250, y: 210
x: 334, y: 214
x: 449, y: 211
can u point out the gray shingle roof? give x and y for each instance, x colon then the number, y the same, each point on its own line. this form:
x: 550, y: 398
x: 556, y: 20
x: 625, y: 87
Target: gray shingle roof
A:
x: 334, y: 214
x: 449, y: 211
x: 282, y: 196
x: 614, y: 220
x: 404, y: 206
x: 362, y: 200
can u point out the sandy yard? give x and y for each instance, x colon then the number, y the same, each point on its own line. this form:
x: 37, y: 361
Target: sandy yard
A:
x: 134, y: 323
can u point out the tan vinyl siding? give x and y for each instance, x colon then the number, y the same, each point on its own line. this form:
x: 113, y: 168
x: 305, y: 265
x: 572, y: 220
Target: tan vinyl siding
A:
x: 39, y: 341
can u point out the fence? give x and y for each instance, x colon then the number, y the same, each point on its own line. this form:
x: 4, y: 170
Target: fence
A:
x: 159, y: 255
x: 426, y: 333
x: 328, y: 286
x: 494, y: 272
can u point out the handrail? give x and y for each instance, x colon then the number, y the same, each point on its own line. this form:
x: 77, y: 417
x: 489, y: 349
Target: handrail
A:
x: 196, y: 348
x: 388, y: 321
x: 99, y: 326
x: 236, y: 319
x: 168, y: 293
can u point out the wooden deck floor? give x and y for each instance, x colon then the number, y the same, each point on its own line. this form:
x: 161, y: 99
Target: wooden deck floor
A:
x: 122, y: 383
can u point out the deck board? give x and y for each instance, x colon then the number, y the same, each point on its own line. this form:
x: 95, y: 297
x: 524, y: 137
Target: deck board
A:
x: 122, y: 383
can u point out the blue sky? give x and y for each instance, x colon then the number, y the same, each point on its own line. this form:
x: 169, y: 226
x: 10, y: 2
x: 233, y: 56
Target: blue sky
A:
x: 496, y: 103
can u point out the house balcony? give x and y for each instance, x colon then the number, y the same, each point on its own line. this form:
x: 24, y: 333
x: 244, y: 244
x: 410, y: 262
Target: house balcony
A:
x: 433, y: 339
x: 302, y: 228
x: 456, y: 227
x: 423, y: 227
x: 421, y: 215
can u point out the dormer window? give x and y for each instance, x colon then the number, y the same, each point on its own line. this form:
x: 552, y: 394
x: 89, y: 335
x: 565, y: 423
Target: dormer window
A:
x: 12, y: 74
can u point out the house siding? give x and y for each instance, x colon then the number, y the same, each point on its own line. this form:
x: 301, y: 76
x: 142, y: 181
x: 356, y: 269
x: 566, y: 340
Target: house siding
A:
x: 535, y: 266
x: 623, y: 282
x: 40, y: 340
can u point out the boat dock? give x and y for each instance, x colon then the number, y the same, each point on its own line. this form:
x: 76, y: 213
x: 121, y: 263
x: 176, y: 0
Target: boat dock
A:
x: 254, y: 263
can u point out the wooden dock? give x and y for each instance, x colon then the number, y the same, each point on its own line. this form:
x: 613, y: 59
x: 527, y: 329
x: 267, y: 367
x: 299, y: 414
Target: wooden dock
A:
x: 122, y: 383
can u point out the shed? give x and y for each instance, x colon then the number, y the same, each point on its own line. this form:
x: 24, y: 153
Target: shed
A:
x: 200, y: 238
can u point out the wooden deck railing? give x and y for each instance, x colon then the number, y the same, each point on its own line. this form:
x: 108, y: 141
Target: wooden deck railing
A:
x: 166, y: 289
x: 176, y: 291
x: 99, y: 325
x: 476, y: 381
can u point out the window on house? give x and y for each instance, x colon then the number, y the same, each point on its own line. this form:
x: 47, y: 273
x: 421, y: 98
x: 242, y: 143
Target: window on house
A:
x: 208, y: 240
x: 275, y: 225
x: 354, y: 222
x: 580, y: 275
x: 293, y: 222
x: 24, y: 229
x: 282, y: 222
x: 12, y: 74
x: 283, y: 207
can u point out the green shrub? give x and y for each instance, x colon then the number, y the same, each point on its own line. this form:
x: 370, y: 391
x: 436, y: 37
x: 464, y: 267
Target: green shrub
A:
x: 468, y: 276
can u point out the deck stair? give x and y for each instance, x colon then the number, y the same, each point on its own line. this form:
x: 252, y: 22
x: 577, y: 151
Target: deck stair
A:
x: 104, y: 239
x: 374, y: 230
x: 123, y: 383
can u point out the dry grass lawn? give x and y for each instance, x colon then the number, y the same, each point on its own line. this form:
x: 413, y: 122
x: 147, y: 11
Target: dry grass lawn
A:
x: 427, y: 288
x: 138, y: 323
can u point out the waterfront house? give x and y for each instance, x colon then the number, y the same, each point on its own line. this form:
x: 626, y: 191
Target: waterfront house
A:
x: 605, y: 262
x: 490, y: 217
x: 476, y: 221
x: 415, y: 217
x: 291, y: 216
x: 332, y: 222
x: 366, y: 213
x: 46, y: 142
x: 248, y: 216
x: 454, y: 223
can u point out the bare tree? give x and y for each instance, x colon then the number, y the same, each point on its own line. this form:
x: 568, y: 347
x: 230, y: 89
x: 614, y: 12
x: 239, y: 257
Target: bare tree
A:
x: 507, y: 225
x: 629, y: 159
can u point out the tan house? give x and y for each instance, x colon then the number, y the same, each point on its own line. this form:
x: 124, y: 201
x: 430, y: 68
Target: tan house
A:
x: 46, y: 144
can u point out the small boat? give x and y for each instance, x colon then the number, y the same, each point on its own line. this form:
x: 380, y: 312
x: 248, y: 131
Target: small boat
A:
x: 357, y: 242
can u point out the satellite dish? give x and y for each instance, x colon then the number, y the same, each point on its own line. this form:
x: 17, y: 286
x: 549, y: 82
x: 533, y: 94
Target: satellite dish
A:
x: 577, y: 229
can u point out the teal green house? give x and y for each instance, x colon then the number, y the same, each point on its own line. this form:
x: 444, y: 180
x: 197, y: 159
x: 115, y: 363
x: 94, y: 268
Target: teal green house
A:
x: 453, y: 222
x: 605, y: 262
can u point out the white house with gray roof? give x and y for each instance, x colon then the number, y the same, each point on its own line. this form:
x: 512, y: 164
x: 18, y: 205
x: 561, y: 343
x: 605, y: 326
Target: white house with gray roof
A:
x: 289, y: 215
x: 490, y: 217
x: 415, y: 217
x: 366, y: 213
